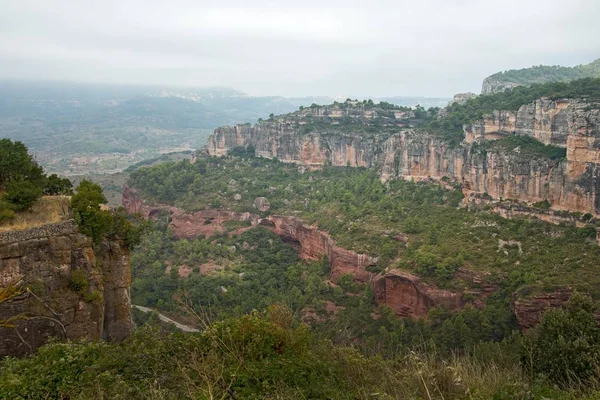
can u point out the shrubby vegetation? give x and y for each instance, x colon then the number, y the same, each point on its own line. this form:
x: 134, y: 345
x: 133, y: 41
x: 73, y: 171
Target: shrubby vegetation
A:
x: 99, y: 223
x: 523, y: 147
x: 22, y: 180
x: 363, y: 214
x: 257, y: 270
x: 450, y: 127
x: 265, y: 355
x: 544, y: 74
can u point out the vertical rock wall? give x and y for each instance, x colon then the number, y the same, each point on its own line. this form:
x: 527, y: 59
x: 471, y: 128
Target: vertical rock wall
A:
x: 65, y: 289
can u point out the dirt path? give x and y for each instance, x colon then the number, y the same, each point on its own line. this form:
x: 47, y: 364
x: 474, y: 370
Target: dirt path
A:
x: 166, y: 319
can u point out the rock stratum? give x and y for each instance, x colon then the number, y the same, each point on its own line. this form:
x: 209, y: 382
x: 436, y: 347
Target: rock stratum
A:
x: 569, y: 184
x: 405, y: 293
x: 61, y: 286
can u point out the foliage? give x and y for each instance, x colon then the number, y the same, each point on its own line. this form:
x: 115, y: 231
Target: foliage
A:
x: 260, y: 355
x: 450, y: 127
x: 22, y: 180
x: 545, y: 74
x: 92, y: 220
x: 78, y: 281
x: 523, y: 147
x: 22, y: 194
x: 56, y: 185
x: 16, y: 164
x: 565, y: 346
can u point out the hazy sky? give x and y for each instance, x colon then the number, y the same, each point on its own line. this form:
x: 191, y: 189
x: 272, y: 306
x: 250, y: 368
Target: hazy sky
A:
x: 304, y: 47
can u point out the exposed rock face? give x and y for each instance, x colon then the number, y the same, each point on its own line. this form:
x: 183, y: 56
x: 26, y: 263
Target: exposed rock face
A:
x: 529, y: 311
x: 461, y: 98
x: 572, y: 184
x: 262, y: 204
x: 491, y: 86
x: 549, y: 121
x: 404, y: 293
x: 42, y: 263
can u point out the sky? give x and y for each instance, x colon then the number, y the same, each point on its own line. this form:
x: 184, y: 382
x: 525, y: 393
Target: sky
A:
x: 432, y: 48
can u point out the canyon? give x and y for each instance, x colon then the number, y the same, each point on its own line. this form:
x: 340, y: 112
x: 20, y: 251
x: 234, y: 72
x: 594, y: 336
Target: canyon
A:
x: 404, y: 292
x: 568, y: 184
x: 57, y: 283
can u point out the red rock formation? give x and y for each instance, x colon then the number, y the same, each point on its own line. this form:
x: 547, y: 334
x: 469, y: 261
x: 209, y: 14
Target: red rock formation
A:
x: 529, y: 310
x: 405, y: 293
x: 408, y: 296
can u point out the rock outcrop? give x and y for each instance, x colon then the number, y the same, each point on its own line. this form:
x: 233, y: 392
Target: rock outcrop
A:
x: 529, y: 310
x: 491, y: 85
x: 571, y: 184
x: 62, y: 287
x: 402, y: 291
x: 407, y: 295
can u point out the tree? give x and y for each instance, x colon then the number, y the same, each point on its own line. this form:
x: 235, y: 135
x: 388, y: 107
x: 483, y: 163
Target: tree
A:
x: 92, y: 220
x: 56, y: 185
x: 22, y: 194
x: 565, y: 346
x: 16, y: 164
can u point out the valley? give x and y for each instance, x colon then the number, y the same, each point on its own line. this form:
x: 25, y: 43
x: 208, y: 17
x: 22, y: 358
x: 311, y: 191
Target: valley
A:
x: 358, y: 249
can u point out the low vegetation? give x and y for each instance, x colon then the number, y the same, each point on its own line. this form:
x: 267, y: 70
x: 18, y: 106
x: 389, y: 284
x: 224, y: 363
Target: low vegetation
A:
x: 545, y: 74
x: 22, y: 184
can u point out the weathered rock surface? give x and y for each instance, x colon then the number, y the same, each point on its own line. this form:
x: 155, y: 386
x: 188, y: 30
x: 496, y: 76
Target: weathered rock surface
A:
x: 529, y: 311
x: 261, y: 204
x: 572, y: 184
x: 41, y: 263
x: 402, y: 291
x: 491, y: 86
x: 407, y: 295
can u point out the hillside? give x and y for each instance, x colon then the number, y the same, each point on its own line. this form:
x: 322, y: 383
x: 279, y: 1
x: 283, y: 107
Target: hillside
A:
x: 538, y: 75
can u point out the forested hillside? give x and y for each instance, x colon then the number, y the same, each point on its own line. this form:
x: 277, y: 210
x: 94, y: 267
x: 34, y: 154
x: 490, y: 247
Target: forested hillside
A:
x: 545, y: 74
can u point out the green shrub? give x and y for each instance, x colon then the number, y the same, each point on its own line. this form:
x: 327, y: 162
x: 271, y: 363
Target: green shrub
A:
x: 56, y: 185
x: 565, y: 346
x: 22, y: 194
x: 6, y: 215
x: 78, y: 281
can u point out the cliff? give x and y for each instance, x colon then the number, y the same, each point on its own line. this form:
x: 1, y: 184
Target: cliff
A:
x: 570, y: 184
x: 540, y: 74
x: 403, y: 292
x: 63, y: 287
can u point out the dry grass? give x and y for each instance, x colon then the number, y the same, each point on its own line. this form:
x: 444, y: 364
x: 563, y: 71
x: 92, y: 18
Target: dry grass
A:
x: 47, y: 210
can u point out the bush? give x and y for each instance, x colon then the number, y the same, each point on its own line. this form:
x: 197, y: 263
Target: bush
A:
x: 6, y: 215
x: 92, y: 221
x: 78, y: 281
x: 22, y: 194
x: 56, y: 185
x: 565, y: 346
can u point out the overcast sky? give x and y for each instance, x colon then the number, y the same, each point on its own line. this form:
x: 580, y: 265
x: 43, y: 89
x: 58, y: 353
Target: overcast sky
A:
x: 304, y: 47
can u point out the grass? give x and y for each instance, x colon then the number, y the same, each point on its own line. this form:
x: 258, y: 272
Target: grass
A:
x: 47, y: 210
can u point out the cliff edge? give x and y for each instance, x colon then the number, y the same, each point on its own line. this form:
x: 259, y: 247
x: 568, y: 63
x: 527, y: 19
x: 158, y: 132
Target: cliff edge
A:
x: 56, y: 283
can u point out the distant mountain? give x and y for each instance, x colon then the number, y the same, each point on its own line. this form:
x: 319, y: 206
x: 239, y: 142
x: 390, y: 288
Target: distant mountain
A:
x: 404, y: 101
x: 538, y: 74
x: 77, y: 128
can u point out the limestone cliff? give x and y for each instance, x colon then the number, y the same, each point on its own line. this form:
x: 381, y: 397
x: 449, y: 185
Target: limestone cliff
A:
x: 403, y: 292
x: 571, y: 184
x: 65, y: 287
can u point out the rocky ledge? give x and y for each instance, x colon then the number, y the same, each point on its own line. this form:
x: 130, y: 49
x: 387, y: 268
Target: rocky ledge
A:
x: 57, y: 284
x: 400, y: 290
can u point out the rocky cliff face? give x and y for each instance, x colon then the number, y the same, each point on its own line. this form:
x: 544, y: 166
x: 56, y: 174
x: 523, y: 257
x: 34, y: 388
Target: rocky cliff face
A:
x: 403, y: 292
x: 63, y: 288
x: 572, y: 184
x: 491, y: 86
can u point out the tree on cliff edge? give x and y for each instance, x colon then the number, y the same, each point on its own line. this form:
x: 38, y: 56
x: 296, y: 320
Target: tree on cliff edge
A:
x: 16, y: 164
x: 86, y: 205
